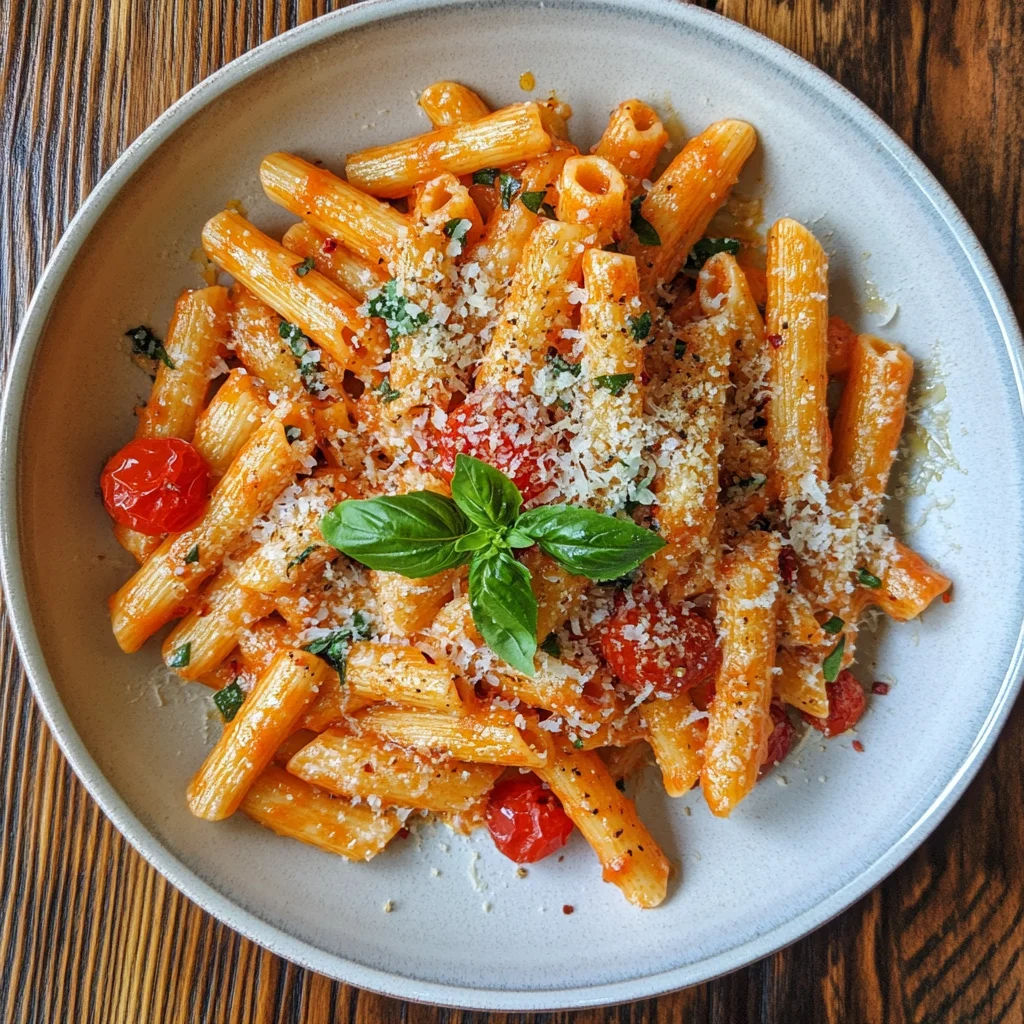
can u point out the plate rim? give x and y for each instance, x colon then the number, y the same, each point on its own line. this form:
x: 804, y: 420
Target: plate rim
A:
x: 205, y: 894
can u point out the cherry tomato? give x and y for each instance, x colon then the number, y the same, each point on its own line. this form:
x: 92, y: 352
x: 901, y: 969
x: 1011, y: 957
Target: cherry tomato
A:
x: 526, y: 820
x: 649, y: 641
x: 781, y: 738
x: 498, y: 428
x: 846, y: 703
x: 155, y: 485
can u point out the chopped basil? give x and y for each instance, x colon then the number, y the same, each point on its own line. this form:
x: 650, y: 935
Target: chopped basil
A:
x: 552, y: 646
x: 229, y: 699
x: 292, y: 434
x: 705, y: 248
x: 485, y: 176
x: 193, y: 555
x: 508, y: 187
x: 547, y: 210
x: 386, y: 391
x: 299, y: 559
x: 457, y: 229
x: 561, y: 403
x: 305, y: 266
x: 578, y: 744
x: 533, y: 200
x: 645, y: 233
x: 833, y: 626
x: 867, y: 579
x: 640, y: 325
x: 181, y: 656
x: 680, y: 350
x: 333, y: 648
x: 297, y: 341
x: 395, y: 312
x: 146, y: 343
x: 562, y: 365
x: 831, y: 666
x: 616, y: 383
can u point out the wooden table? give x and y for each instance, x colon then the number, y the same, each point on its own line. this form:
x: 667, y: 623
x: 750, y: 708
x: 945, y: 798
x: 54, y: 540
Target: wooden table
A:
x: 89, y: 932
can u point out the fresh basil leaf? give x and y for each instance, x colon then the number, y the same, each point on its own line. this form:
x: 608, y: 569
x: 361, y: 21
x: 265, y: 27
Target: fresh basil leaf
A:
x: 180, y: 656
x: 386, y: 391
x: 486, y: 496
x: 705, y: 248
x: 485, y: 176
x: 867, y: 579
x: 616, y: 383
x: 334, y: 647
x: 228, y: 700
x: 552, y: 646
x: 640, y: 325
x: 475, y: 541
x: 411, y: 534
x: 146, y: 343
x: 533, y: 200
x: 562, y: 365
x: 645, y: 233
x: 587, y: 543
x: 832, y: 665
x: 517, y: 539
x: 299, y: 559
x: 833, y: 626
x: 193, y: 554
x: 509, y: 188
x: 303, y: 268
x: 457, y: 229
x: 504, y: 608
x: 394, y: 310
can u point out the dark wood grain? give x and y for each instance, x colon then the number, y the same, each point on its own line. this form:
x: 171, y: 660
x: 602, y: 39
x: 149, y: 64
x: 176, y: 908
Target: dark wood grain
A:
x: 88, y: 932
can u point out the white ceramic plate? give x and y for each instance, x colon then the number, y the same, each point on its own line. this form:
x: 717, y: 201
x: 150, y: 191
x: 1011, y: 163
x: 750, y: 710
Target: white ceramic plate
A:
x: 475, y: 934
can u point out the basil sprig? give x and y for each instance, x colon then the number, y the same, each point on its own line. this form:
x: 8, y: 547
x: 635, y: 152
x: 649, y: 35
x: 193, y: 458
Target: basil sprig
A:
x: 422, y: 533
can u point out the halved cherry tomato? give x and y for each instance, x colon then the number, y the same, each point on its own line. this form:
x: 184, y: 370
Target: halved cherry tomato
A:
x: 526, y: 820
x: 781, y: 738
x: 499, y: 429
x: 846, y: 703
x: 155, y: 485
x: 650, y: 641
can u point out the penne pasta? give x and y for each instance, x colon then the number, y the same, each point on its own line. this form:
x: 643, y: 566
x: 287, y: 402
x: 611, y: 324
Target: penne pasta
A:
x: 231, y: 418
x: 676, y: 731
x: 403, y: 675
x: 355, y: 274
x: 449, y: 103
x: 632, y: 141
x: 592, y: 193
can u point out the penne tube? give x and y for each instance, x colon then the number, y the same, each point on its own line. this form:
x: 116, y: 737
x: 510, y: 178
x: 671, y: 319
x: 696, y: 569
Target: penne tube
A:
x: 841, y: 339
x: 869, y: 421
x: 248, y: 744
x: 231, y: 418
x: 363, y: 766
x: 614, y: 329
x: 154, y: 595
x: 212, y: 629
x: 558, y: 593
x: 801, y: 683
x: 676, y: 731
x: 739, y: 721
x: 629, y: 855
x: 496, y: 140
x: 256, y: 341
x: 353, y: 273
x: 488, y: 738
x: 624, y: 762
x: 537, y: 306
x: 797, y: 326
x: 445, y: 201
x: 632, y: 141
x: 290, y: 807
x: 592, y: 192
x: 365, y: 225
x: 292, y: 745
x: 796, y: 623
x: 909, y: 584
x: 258, y: 645
x: 313, y: 302
x: 403, y: 675
x: 449, y: 103
x: 139, y: 545
x: 683, y: 200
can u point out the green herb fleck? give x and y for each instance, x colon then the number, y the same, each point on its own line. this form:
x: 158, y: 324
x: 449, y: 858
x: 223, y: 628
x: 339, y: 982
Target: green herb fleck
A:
x: 834, y: 662
x: 705, y: 248
x: 395, y: 312
x: 833, y: 626
x: 578, y: 744
x: 299, y: 559
x: 616, y: 383
x: 645, y: 233
x: 181, y: 656
x: 386, y: 391
x: 508, y: 188
x: 457, y: 229
x: 562, y: 365
x: 146, y: 343
x: 305, y: 266
x: 640, y: 325
x: 552, y: 646
x: 297, y: 341
x: 485, y: 176
x: 867, y: 579
x: 680, y: 350
x: 533, y: 200
x: 333, y: 648
x: 193, y: 555
x: 229, y: 699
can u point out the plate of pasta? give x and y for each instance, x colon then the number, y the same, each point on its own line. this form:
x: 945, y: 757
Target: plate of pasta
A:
x: 519, y: 500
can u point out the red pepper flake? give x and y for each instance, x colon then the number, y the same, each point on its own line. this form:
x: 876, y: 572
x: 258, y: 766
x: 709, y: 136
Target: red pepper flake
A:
x: 775, y: 340
x: 880, y: 688
x: 858, y: 746
x: 567, y: 908
x: 947, y: 597
x: 368, y: 767
x: 788, y: 566
x: 330, y: 244
x: 403, y: 833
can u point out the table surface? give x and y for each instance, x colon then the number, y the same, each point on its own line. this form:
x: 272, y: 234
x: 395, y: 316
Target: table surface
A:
x: 89, y: 932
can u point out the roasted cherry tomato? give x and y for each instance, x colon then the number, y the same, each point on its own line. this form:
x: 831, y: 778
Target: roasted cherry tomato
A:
x: 497, y: 428
x: 526, y: 820
x: 155, y: 485
x: 650, y: 641
x: 781, y: 738
x: 846, y: 703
